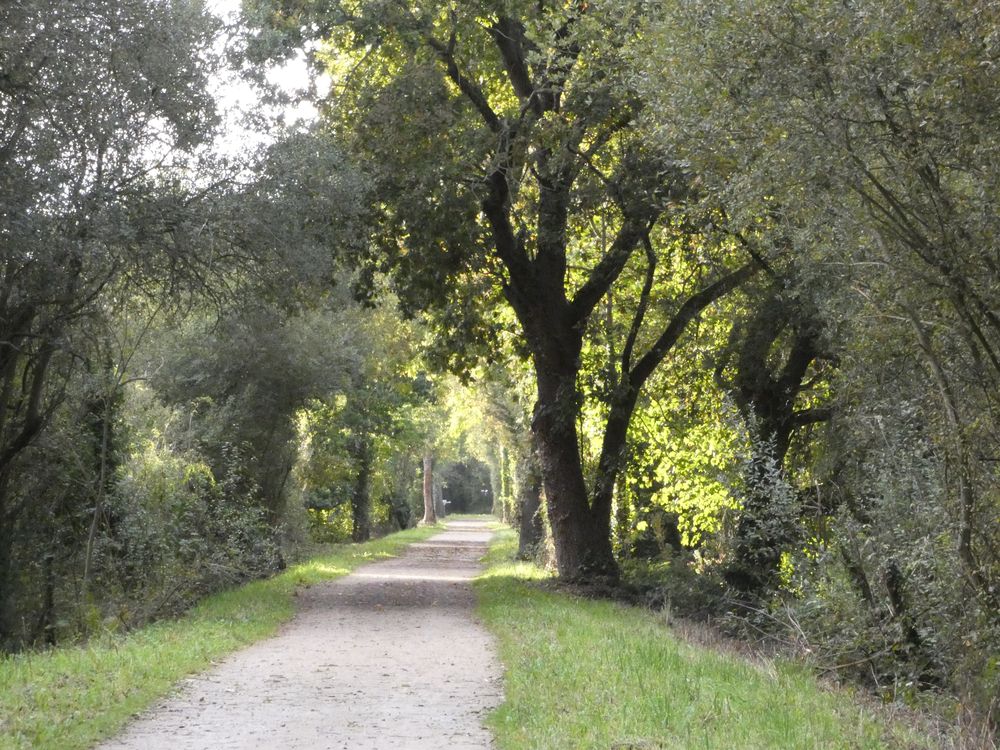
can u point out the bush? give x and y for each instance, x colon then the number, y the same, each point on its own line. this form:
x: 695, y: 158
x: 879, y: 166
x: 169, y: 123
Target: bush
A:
x: 175, y: 534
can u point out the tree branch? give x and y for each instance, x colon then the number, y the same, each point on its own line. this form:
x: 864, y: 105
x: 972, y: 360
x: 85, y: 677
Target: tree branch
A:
x: 509, y: 247
x: 510, y: 40
x: 608, y: 269
x: 688, y: 312
x: 34, y: 419
x: 640, y: 313
x: 803, y: 352
x: 811, y: 416
x: 752, y: 252
x: 446, y: 53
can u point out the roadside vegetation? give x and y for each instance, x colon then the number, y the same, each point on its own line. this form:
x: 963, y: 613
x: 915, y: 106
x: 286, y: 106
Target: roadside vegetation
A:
x: 583, y: 673
x: 706, y: 289
x: 70, y: 697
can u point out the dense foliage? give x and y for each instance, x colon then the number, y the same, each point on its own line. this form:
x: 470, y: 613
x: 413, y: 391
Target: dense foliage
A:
x: 704, y: 293
x: 171, y: 325
x: 860, y: 143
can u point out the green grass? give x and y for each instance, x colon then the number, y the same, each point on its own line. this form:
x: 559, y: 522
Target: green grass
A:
x: 72, y: 697
x: 595, y: 674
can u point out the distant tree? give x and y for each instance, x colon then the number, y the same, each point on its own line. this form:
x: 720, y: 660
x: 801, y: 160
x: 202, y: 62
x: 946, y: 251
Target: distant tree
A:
x: 430, y: 512
x: 503, y: 395
x: 360, y: 428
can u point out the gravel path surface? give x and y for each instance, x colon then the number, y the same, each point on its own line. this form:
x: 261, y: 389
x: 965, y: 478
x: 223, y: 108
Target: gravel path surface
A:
x: 387, y: 657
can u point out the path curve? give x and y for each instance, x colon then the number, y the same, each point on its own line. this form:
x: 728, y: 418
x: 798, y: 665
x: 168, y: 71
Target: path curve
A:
x: 389, y: 656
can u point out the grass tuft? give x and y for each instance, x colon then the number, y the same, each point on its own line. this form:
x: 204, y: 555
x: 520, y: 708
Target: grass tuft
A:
x: 582, y: 674
x: 72, y: 697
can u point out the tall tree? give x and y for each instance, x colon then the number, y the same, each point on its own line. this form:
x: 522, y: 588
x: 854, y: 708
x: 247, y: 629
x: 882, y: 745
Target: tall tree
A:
x: 494, y: 133
x: 108, y: 197
x: 866, y: 134
x: 81, y: 211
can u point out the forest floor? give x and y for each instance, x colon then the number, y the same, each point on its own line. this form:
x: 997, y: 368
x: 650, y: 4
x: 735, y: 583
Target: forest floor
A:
x: 388, y: 656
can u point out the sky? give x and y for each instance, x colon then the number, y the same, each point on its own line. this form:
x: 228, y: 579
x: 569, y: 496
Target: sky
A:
x: 236, y: 97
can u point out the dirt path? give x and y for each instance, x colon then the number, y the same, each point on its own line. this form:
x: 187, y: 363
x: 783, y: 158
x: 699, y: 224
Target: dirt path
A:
x: 387, y: 657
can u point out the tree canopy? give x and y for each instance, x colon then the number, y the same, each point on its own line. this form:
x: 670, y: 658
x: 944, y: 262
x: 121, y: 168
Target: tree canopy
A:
x: 511, y: 166
x: 705, y: 292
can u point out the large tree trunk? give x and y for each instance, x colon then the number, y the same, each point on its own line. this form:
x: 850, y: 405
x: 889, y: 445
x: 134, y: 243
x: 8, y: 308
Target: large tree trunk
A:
x: 430, y: 517
x: 582, y: 537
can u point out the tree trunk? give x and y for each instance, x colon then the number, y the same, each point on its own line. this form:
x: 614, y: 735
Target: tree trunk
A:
x: 529, y: 501
x: 361, y: 496
x: 45, y: 631
x: 430, y: 517
x: 623, y: 521
x: 582, y: 538
x: 496, y: 482
x: 612, y: 460
x: 439, y: 507
x: 502, y: 500
x: 6, y: 588
x: 7, y: 601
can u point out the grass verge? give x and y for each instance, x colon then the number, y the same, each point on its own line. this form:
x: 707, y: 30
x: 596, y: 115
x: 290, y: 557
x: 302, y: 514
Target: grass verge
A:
x: 70, y: 698
x: 594, y: 674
